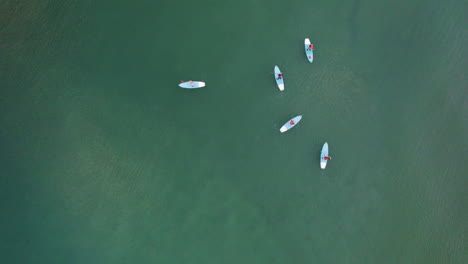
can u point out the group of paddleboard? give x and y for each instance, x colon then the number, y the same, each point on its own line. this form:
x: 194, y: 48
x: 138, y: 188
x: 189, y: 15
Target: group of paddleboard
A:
x: 309, y: 48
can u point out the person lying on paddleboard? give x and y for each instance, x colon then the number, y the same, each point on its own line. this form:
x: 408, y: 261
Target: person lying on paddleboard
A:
x: 280, y: 76
x: 311, y: 47
x: 327, y: 158
x: 291, y: 122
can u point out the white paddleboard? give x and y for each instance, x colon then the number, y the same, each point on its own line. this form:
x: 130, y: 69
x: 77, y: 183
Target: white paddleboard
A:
x: 279, y: 81
x: 192, y: 84
x: 309, y: 52
x: 291, y: 123
x: 323, y: 154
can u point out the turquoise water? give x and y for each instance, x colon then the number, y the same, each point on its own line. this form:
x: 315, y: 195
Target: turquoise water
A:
x: 105, y: 160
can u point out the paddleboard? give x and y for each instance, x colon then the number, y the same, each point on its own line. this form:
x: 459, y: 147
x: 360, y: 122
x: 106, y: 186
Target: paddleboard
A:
x: 309, y: 52
x: 290, y: 124
x: 279, y: 82
x: 323, y: 154
x: 192, y: 84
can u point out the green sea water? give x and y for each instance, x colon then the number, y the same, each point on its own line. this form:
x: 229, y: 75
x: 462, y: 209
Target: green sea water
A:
x: 104, y: 159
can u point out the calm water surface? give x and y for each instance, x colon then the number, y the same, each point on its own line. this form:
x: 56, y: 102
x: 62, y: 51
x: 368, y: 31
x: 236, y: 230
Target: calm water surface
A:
x: 105, y: 160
